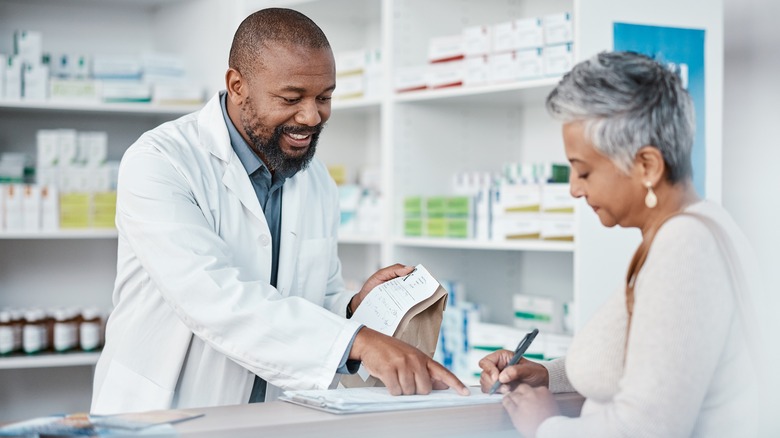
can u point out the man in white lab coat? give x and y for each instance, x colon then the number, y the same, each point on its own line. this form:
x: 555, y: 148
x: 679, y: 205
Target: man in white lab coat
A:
x: 227, y: 262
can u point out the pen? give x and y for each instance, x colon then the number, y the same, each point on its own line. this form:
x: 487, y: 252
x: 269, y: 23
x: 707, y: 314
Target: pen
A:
x: 521, y: 347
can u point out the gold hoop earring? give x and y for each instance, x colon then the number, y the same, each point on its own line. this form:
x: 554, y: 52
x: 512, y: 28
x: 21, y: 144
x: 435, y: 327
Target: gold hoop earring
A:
x: 650, y: 200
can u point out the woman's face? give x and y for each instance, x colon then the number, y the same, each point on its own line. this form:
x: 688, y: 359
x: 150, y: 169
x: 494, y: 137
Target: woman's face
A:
x: 616, y: 197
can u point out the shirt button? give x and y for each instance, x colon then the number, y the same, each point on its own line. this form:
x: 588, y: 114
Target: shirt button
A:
x: 265, y: 240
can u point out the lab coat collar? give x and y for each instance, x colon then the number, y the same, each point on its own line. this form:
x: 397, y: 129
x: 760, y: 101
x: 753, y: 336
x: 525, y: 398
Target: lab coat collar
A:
x: 215, y: 138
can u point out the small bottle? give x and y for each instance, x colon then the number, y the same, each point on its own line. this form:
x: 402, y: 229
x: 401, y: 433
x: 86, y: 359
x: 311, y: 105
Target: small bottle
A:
x: 64, y: 337
x: 17, y: 321
x: 6, y: 332
x: 34, y: 332
x: 90, y: 331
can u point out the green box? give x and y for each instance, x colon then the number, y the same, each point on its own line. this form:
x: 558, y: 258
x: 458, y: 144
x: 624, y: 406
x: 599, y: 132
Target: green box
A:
x: 458, y: 228
x: 74, y: 210
x: 436, y: 227
x: 458, y: 207
x: 436, y: 206
x: 413, y: 207
x: 413, y: 227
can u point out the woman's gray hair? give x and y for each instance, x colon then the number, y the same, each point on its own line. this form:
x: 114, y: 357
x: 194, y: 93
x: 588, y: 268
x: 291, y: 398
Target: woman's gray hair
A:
x: 626, y: 101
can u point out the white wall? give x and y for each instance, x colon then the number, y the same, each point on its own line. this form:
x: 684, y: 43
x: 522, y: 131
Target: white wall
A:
x: 751, y: 149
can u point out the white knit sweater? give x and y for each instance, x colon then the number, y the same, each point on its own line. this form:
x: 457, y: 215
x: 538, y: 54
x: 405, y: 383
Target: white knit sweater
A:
x: 687, y: 371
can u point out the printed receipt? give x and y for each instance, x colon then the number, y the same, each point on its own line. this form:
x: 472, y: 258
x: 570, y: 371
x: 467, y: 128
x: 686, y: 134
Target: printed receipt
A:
x: 385, y: 306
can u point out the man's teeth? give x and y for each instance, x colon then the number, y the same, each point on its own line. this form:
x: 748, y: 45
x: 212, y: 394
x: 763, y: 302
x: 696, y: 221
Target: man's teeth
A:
x: 298, y: 136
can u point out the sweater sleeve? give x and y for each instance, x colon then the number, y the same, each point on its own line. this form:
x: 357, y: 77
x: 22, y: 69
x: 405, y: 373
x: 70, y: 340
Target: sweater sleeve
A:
x: 683, y: 314
x: 558, y: 380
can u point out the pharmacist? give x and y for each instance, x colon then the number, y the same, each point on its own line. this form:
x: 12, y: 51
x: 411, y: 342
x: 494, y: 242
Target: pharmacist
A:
x: 227, y: 262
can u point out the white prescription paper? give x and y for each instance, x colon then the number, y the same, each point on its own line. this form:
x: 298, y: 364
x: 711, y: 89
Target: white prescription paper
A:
x: 377, y: 399
x: 385, y: 306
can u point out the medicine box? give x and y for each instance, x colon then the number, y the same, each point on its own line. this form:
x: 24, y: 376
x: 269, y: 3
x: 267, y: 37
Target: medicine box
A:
x: 530, y: 64
x: 556, y: 198
x: 558, y: 60
x: 517, y: 198
x: 513, y: 226
x: 446, y: 74
x: 476, y: 70
x: 557, y: 28
x: 558, y: 227
x: 28, y: 46
x: 13, y: 78
x: 534, y: 312
x: 503, y: 67
x: 530, y: 34
x: 349, y: 86
x: 350, y: 62
x: 412, y: 78
x: 435, y: 226
x: 446, y: 48
x: 477, y: 40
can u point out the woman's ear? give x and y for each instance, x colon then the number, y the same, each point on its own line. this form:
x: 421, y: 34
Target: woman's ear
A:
x: 649, y: 162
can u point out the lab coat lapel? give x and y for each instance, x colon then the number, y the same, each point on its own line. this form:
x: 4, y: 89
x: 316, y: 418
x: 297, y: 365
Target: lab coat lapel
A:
x: 237, y: 181
x: 214, y: 136
x: 293, y: 197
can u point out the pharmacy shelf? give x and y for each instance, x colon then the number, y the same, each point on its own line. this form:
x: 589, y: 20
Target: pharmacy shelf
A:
x: 508, y: 245
x: 107, y: 233
x: 359, y: 240
x: 513, y: 93
x: 48, y: 360
x: 98, y: 107
x: 357, y: 104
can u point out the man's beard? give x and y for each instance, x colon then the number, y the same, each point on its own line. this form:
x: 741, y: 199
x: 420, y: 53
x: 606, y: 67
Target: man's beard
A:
x: 270, y: 150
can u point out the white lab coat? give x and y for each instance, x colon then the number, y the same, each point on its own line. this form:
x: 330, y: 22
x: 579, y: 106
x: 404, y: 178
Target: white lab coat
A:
x: 195, y: 315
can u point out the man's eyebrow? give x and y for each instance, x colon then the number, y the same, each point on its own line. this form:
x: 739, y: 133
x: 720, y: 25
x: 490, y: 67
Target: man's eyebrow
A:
x: 301, y: 90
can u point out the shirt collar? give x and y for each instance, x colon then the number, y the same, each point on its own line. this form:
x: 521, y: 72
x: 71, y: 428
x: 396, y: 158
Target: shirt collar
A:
x: 246, y: 155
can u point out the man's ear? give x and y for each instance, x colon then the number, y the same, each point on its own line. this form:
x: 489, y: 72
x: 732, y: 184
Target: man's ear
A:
x: 649, y: 162
x: 236, y: 86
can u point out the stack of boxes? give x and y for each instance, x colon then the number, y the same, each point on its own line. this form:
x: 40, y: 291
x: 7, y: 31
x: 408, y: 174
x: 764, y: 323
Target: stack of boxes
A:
x: 516, y: 50
x: 526, y: 202
x: 31, y: 74
x: 358, y: 74
x: 524, y: 206
x: 24, y: 75
x: 74, y: 163
x: 439, y: 216
x: 360, y: 203
x: 75, y: 185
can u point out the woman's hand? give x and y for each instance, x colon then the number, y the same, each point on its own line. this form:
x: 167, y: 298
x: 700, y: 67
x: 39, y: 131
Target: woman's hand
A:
x: 494, y: 367
x: 528, y: 407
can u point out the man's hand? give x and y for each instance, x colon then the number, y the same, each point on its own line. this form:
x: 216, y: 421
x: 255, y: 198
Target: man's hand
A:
x: 379, y: 277
x: 494, y: 368
x: 402, y: 368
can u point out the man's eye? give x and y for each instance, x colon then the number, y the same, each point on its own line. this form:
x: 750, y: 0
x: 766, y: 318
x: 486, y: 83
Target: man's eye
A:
x: 291, y: 100
x: 324, y: 98
x: 583, y: 176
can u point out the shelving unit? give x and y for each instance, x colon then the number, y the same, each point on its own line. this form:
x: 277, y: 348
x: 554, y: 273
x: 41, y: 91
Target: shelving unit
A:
x: 78, y: 267
x: 48, y: 107
x: 417, y: 140
x: 49, y: 360
x: 60, y: 234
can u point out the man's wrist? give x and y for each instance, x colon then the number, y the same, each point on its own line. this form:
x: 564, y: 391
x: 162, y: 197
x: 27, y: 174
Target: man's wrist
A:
x: 350, y: 312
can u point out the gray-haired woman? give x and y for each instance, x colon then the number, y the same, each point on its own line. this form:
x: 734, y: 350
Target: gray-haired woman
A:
x: 667, y: 356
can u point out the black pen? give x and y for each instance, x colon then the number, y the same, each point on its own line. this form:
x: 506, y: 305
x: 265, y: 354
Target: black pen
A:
x: 521, y: 347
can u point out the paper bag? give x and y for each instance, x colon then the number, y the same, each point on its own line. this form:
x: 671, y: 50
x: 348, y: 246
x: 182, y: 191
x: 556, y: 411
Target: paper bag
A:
x: 419, y: 328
